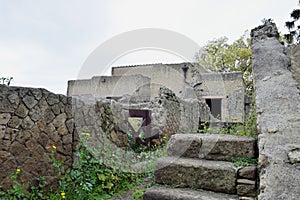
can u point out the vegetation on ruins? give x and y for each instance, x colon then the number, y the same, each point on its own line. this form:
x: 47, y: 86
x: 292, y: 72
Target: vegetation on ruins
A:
x: 248, y: 128
x: 89, y: 178
x: 244, y: 162
x: 219, y: 55
x: 294, y: 30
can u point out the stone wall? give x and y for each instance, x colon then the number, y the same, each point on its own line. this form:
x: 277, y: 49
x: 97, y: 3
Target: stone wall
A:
x: 278, y: 118
x: 170, y: 76
x: 32, y: 122
x: 111, y: 86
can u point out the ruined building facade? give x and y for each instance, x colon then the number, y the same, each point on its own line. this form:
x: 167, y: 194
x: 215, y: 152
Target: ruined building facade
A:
x: 171, y: 97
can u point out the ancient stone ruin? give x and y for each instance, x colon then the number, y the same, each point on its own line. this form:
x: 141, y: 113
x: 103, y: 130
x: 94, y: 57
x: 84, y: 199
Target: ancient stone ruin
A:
x: 278, y: 117
x: 167, y: 100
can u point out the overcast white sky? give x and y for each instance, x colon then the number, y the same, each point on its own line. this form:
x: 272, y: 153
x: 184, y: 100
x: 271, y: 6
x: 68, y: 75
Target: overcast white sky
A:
x: 44, y: 43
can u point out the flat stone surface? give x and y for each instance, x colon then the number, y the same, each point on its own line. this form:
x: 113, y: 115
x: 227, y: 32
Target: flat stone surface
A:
x: 212, y: 146
x: 167, y: 193
x: 216, y: 176
x: 245, y: 181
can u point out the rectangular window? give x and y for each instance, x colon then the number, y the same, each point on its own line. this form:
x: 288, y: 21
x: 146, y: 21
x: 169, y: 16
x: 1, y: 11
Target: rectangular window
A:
x: 215, y: 106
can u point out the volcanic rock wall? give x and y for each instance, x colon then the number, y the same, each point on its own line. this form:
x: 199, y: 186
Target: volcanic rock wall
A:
x: 34, y: 123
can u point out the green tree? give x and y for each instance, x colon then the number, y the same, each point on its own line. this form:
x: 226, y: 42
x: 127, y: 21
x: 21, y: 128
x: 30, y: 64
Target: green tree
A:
x: 220, y: 56
x: 294, y: 29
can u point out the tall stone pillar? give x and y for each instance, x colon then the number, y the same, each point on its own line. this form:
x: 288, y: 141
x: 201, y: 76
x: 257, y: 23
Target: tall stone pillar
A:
x: 278, y: 116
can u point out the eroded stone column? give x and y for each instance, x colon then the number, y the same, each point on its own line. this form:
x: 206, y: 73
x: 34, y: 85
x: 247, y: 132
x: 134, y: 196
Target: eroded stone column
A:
x: 278, y: 116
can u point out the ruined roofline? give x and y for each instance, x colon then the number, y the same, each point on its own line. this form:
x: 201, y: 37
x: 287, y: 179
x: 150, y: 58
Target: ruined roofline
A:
x: 155, y: 64
x: 226, y: 76
x: 106, y: 77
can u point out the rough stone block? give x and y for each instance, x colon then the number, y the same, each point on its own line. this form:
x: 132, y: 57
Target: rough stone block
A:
x: 14, y: 122
x: 4, y: 118
x: 294, y: 156
x: 216, y: 176
x: 184, y: 145
x: 246, y: 190
x: 212, y: 146
x: 166, y: 193
x: 249, y: 172
x: 29, y: 101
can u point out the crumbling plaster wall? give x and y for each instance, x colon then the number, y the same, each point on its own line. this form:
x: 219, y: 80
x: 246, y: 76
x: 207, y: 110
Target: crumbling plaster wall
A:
x: 230, y: 88
x: 111, y: 86
x: 278, y: 117
x: 167, y: 75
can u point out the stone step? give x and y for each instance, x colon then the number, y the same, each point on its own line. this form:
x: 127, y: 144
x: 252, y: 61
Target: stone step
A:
x: 212, y: 146
x: 218, y: 176
x: 167, y: 193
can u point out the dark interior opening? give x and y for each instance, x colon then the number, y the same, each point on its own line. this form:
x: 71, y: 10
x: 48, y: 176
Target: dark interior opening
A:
x: 215, y: 106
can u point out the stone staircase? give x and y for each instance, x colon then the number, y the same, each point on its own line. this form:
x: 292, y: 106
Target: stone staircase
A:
x: 198, y: 166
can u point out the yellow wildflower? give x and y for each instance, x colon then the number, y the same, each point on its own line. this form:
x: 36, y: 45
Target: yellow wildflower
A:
x: 18, y: 170
x: 54, y: 147
x: 85, y: 134
x: 63, y: 194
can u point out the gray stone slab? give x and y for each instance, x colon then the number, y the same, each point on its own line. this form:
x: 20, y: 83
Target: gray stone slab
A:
x: 218, y: 176
x: 167, y: 193
x: 212, y: 146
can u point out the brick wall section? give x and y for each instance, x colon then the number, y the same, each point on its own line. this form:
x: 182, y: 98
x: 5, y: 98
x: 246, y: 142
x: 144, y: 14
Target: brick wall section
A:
x: 32, y: 121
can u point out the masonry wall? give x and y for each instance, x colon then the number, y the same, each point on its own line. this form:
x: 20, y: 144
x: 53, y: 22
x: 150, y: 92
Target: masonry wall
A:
x: 32, y: 121
x: 278, y: 118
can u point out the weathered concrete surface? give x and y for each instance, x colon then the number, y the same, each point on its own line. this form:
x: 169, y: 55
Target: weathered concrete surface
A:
x: 278, y: 116
x: 216, y: 176
x: 212, y: 146
x: 167, y: 193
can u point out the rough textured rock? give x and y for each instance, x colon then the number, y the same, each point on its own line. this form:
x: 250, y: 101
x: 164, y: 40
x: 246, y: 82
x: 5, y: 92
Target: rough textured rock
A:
x: 27, y: 134
x: 246, y: 190
x: 294, y: 156
x: 249, y: 172
x: 212, y: 146
x: 216, y: 176
x: 166, y: 193
x: 294, y: 54
x: 278, y: 117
